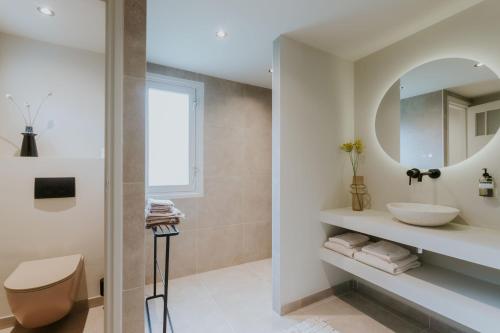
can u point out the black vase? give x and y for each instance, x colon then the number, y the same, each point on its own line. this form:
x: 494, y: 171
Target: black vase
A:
x: 28, y: 148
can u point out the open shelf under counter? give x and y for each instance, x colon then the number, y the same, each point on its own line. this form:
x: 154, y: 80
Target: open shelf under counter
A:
x: 468, y: 301
x: 474, y: 244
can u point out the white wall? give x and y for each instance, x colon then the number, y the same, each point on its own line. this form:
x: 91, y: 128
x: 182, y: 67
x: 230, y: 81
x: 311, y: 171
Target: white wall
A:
x: 312, y: 115
x: 28, y: 70
x: 34, y: 229
x: 471, y: 34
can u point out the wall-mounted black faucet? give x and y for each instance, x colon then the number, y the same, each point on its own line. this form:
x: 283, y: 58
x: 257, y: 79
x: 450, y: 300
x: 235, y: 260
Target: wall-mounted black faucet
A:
x: 416, y: 173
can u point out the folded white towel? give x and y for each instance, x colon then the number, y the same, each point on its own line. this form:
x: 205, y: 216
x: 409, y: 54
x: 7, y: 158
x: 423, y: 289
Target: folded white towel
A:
x: 175, y: 213
x: 387, y: 251
x: 395, y: 268
x: 347, y: 251
x: 160, y: 203
x: 350, y: 239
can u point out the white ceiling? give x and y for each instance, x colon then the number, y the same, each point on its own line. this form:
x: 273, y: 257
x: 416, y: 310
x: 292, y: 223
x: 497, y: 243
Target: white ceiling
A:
x: 478, y: 89
x: 77, y: 23
x: 181, y: 33
x: 458, y: 75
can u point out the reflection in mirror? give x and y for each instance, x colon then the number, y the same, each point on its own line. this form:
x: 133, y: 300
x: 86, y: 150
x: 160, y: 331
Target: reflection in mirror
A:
x: 440, y: 113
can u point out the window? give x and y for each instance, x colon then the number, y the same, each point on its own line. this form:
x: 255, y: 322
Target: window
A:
x: 174, y: 137
x: 488, y: 122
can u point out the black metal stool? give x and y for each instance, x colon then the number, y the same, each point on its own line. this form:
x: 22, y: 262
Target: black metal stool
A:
x: 161, y: 231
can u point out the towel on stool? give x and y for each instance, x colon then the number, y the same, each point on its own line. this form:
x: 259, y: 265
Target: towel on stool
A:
x: 160, y: 206
x: 155, y: 219
x: 394, y: 268
x: 387, y: 251
x: 158, y: 202
x: 347, y: 251
x: 350, y: 239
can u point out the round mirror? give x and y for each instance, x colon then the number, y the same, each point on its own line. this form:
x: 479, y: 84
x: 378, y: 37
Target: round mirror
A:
x: 440, y: 113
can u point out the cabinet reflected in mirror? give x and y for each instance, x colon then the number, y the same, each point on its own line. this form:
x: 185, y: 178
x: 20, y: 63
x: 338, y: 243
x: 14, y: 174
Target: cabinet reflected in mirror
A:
x: 440, y: 113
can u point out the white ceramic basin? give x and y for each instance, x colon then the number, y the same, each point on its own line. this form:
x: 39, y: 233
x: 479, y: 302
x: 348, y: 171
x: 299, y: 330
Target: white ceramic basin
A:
x: 422, y: 214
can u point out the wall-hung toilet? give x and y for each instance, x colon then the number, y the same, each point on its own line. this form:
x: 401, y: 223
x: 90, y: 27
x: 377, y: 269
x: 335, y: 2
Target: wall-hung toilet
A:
x: 41, y: 292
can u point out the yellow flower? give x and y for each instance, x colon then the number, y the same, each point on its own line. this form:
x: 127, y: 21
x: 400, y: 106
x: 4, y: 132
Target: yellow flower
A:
x: 347, y: 147
x: 358, y: 146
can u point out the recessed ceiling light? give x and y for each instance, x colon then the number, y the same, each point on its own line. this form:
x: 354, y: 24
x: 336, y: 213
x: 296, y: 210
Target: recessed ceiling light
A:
x: 479, y: 64
x: 402, y: 87
x: 270, y: 70
x: 221, y: 34
x: 45, y: 11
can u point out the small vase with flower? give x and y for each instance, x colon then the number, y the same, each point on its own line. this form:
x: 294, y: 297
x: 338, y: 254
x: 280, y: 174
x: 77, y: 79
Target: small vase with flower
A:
x: 358, y: 188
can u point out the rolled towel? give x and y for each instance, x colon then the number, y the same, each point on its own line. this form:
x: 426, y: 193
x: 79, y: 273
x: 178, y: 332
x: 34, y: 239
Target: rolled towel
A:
x: 394, y: 268
x: 387, y: 251
x: 350, y: 239
x: 347, y: 251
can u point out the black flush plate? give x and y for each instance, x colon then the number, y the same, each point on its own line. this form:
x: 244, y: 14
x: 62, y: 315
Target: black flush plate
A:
x: 48, y: 188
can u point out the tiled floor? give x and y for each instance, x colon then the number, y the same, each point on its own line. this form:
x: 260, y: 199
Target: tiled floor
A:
x: 238, y: 300
x: 83, y: 321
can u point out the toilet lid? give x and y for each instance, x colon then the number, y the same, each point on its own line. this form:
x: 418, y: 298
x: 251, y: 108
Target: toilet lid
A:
x: 40, y: 274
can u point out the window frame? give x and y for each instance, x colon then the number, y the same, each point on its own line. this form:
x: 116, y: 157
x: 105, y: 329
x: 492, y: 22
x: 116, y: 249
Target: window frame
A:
x: 195, y: 90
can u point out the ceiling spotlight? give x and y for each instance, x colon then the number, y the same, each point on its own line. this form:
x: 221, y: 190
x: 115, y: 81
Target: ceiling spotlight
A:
x: 46, y: 11
x: 402, y: 87
x: 270, y: 70
x: 479, y: 64
x: 221, y: 34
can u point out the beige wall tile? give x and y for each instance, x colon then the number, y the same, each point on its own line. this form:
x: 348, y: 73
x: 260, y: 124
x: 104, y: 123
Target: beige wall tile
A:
x: 257, y: 202
x: 134, y: 67
x: 219, y: 247
x: 134, y: 60
x: 191, y: 208
x: 257, y: 151
x: 257, y: 106
x: 223, y: 151
x: 222, y: 204
x: 133, y: 129
x: 223, y: 103
x: 182, y: 255
x: 133, y: 235
x: 133, y: 310
x: 256, y: 241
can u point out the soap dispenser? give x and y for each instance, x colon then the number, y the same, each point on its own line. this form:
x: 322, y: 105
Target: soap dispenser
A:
x: 486, y: 185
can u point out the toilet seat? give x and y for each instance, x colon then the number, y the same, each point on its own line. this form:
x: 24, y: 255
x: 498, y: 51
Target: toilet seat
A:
x: 41, y: 274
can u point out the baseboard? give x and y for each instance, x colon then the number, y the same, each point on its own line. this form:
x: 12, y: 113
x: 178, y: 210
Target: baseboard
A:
x: 7, y: 321
x: 96, y: 301
x: 316, y: 297
x: 10, y: 321
x: 92, y: 302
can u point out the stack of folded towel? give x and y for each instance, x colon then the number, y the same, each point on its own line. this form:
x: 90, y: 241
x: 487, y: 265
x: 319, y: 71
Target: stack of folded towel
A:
x: 162, y: 212
x: 383, y: 255
x: 388, y: 257
x: 347, y: 244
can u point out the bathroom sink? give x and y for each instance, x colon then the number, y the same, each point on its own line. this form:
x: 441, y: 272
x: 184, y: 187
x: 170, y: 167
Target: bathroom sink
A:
x: 422, y: 214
